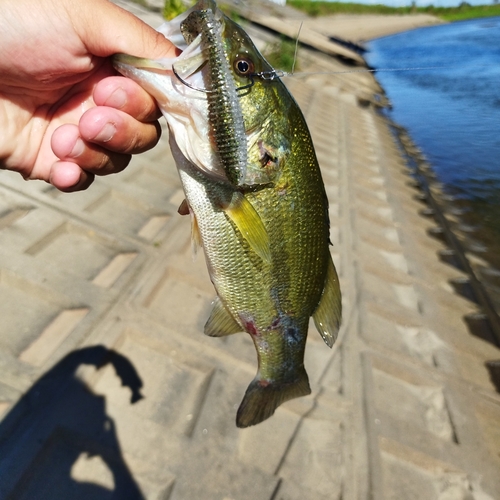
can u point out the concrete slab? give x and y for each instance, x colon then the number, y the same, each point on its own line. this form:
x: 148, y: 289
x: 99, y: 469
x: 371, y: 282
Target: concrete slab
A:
x: 109, y: 389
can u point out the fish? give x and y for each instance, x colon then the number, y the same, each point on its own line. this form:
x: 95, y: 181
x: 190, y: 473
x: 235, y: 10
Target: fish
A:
x: 261, y: 215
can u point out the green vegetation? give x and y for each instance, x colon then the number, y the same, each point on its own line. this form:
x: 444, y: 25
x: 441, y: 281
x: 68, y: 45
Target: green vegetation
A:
x: 466, y: 11
x: 461, y: 12
x: 173, y: 8
x: 281, y: 54
x: 328, y: 8
x: 229, y: 12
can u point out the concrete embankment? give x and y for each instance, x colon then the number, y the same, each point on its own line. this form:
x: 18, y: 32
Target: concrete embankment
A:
x: 361, y: 28
x: 108, y: 383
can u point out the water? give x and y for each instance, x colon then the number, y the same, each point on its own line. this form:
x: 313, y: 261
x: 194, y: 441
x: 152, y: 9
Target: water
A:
x: 453, y: 114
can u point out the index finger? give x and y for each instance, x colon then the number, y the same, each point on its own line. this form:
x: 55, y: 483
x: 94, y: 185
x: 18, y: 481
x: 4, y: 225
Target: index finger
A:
x: 125, y: 95
x: 106, y: 29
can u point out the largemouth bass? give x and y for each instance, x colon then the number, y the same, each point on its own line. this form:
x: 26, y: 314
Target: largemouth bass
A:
x: 261, y: 215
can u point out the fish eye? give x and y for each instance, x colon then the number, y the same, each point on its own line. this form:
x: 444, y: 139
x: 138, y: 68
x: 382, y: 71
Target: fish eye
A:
x: 244, y: 66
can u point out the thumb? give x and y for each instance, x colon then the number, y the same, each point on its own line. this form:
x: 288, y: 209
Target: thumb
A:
x: 107, y: 29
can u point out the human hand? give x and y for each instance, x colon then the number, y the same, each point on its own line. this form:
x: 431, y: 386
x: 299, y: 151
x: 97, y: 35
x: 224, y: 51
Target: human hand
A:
x: 65, y: 115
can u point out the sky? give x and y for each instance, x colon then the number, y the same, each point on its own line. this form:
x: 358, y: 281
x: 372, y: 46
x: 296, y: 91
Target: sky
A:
x: 420, y: 3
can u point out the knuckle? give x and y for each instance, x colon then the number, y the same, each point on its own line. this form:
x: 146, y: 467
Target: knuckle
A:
x: 144, y: 138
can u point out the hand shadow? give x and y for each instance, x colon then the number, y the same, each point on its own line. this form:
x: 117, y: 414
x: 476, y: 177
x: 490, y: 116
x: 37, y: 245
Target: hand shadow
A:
x: 60, y: 424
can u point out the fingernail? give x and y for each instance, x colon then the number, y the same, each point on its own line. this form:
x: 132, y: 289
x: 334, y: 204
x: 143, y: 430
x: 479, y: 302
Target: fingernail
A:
x: 106, y: 134
x: 78, y: 149
x: 117, y: 99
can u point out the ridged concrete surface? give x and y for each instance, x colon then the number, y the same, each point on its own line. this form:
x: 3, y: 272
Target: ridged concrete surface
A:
x: 109, y: 389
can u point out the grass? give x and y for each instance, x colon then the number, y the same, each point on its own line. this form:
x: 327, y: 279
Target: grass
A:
x: 172, y: 8
x: 468, y: 12
x: 281, y: 54
x: 321, y: 8
x: 327, y: 8
x: 461, y: 12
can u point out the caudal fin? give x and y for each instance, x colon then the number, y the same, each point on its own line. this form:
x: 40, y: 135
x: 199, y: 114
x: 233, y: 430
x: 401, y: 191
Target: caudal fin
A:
x: 262, y: 398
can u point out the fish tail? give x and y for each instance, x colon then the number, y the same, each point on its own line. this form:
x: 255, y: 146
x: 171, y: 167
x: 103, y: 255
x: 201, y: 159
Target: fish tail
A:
x: 262, y: 398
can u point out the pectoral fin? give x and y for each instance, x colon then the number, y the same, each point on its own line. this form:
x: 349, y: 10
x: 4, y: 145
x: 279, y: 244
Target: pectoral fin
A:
x: 328, y: 314
x: 250, y: 225
x: 221, y: 323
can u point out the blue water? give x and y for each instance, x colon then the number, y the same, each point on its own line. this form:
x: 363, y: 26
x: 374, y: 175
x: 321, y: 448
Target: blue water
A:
x: 452, y: 111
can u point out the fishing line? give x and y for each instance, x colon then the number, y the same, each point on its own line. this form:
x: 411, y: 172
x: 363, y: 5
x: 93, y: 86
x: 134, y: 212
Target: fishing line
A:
x: 278, y: 73
x: 281, y: 73
x: 375, y: 70
x: 296, y: 47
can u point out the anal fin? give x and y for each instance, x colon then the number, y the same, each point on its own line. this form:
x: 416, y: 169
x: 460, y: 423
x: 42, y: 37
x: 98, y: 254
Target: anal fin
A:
x: 328, y: 314
x: 196, y: 241
x: 221, y: 322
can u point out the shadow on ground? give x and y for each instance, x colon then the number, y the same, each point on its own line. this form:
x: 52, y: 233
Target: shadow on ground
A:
x: 58, y: 443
